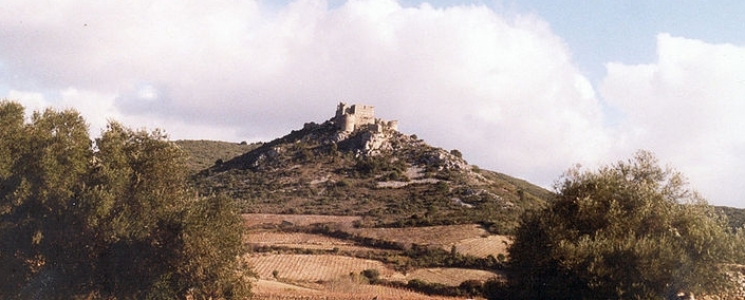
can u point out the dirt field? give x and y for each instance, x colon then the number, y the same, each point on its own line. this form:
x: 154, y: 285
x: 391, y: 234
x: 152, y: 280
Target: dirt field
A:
x: 450, y: 276
x: 299, y: 220
x: 337, y: 290
x: 327, y: 268
x: 283, y: 238
x: 483, y: 246
x: 313, y: 268
x: 328, y: 276
x: 433, y: 235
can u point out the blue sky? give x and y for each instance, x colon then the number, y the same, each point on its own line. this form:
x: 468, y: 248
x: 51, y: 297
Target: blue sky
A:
x: 624, y: 31
x: 528, y: 88
x: 602, y: 31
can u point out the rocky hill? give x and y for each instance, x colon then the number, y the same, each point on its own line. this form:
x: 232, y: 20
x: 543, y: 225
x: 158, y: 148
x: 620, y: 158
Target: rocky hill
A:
x: 354, y: 164
x: 204, y: 153
x: 326, y: 196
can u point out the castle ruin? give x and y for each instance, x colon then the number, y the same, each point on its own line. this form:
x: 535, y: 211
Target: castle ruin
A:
x: 359, y: 117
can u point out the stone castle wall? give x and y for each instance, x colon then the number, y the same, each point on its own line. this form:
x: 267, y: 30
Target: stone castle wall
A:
x: 353, y: 117
x: 364, y: 114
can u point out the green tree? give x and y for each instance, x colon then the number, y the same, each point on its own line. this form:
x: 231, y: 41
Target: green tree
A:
x: 11, y: 131
x: 136, y: 201
x: 40, y: 219
x: 213, y: 239
x: 11, y: 144
x: 631, y: 230
x: 114, y: 219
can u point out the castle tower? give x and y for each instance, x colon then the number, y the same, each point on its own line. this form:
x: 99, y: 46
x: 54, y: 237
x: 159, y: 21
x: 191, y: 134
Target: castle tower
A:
x: 393, y: 125
x: 341, y: 109
x: 352, y: 117
x: 365, y: 114
x: 348, y: 122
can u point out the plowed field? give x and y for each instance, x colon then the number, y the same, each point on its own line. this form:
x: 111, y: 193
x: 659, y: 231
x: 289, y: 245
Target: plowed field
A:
x: 433, y: 235
x: 450, y: 276
x: 312, y: 268
x: 483, y: 246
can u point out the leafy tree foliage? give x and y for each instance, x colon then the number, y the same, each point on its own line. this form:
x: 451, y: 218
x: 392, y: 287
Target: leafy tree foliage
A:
x: 628, y: 231
x: 112, y: 219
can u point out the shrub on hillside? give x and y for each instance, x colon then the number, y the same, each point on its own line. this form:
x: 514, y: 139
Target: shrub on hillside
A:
x: 372, y: 275
x: 628, y: 231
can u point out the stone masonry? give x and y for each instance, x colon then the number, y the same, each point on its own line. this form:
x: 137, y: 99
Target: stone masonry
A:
x: 357, y: 117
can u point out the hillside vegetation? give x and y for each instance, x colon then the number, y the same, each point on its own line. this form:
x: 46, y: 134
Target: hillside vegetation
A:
x: 353, y: 202
x: 402, y: 181
x: 631, y: 230
x: 358, y: 211
x: 204, y: 153
x: 735, y: 216
x: 420, y: 212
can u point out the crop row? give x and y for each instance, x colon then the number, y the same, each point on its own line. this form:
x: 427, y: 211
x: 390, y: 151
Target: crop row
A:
x: 311, y: 268
x: 297, y: 220
x: 321, y: 268
x: 493, y: 245
x: 432, y: 235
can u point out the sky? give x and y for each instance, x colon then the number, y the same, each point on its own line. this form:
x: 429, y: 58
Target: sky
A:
x: 527, y: 88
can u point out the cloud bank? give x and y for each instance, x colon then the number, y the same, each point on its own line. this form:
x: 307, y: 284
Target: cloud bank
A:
x: 688, y: 108
x: 500, y: 87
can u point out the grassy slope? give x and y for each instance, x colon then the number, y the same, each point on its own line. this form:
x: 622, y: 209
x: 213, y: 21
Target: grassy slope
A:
x: 309, y: 179
x: 735, y: 216
x: 303, y: 173
x: 203, y: 153
x: 314, y: 184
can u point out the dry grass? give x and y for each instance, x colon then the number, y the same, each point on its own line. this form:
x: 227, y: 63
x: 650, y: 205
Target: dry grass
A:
x: 264, y: 286
x: 283, y: 238
x: 332, y: 268
x: 345, y: 250
x: 337, y: 277
x: 313, y: 268
x: 433, y: 235
x: 351, y: 287
x: 483, y: 246
x: 252, y: 220
x: 322, y: 277
x: 338, y: 289
x: 303, y: 241
x: 450, y: 276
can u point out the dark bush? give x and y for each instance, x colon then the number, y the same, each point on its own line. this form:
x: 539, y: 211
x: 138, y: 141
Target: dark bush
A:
x: 372, y: 275
x: 110, y: 220
x: 628, y: 231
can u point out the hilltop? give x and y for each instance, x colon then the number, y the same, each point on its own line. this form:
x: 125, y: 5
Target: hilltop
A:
x: 352, y: 206
x: 356, y: 165
x: 205, y: 153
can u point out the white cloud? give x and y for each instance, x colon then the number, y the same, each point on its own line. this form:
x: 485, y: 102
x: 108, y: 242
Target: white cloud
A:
x: 96, y: 108
x: 502, y: 88
x: 687, y: 107
x: 32, y: 101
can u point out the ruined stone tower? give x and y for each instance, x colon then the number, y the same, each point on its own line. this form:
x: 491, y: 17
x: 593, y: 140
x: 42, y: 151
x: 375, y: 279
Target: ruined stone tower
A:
x: 349, y: 118
x: 357, y: 117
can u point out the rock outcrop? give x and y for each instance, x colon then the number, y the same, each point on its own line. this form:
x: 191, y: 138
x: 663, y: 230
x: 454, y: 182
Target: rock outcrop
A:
x: 353, y: 129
